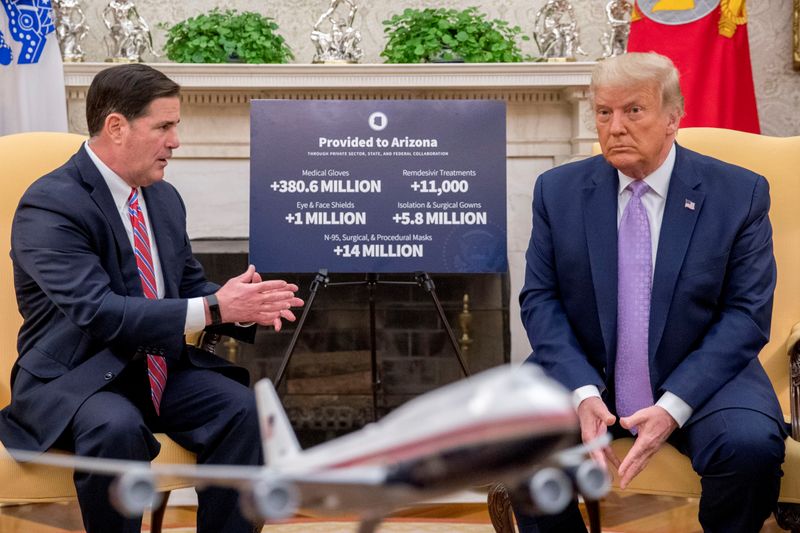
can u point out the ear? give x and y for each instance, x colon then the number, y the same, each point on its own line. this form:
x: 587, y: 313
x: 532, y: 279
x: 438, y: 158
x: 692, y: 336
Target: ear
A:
x: 115, y: 126
x: 673, y: 123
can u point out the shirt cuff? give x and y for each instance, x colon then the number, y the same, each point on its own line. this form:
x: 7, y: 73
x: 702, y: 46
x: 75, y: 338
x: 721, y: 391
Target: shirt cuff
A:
x: 581, y: 393
x: 677, y: 408
x: 195, y: 316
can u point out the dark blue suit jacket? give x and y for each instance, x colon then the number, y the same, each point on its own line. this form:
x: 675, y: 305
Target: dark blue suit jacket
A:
x: 79, y: 293
x: 712, y: 288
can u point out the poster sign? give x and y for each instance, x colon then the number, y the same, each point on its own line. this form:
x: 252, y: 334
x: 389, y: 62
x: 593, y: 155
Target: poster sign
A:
x: 378, y: 186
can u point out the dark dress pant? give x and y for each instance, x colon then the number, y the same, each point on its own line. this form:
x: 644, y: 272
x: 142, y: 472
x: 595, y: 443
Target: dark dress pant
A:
x: 203, y: 411
x: 737, y: 453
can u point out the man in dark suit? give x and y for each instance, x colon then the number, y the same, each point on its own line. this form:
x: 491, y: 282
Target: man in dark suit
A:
x: 108, y: 287
x: 648, y: 292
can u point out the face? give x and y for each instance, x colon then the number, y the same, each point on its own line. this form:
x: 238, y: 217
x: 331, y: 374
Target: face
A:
x: 635, y: 132
x: 145, y: 144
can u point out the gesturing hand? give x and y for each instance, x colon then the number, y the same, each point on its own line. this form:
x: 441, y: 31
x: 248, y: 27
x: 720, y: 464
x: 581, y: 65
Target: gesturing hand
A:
x: 654, y: 426
x: 247, y: 298
x: 595, y: 418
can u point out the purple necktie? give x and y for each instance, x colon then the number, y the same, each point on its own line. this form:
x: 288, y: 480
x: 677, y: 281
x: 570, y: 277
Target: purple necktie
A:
x: 635, y: 267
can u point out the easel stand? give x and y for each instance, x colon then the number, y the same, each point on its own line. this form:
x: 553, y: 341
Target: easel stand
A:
x: 421, y: 279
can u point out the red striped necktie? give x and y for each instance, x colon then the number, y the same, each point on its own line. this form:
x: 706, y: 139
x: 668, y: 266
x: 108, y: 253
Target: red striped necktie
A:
x: 156, y: 364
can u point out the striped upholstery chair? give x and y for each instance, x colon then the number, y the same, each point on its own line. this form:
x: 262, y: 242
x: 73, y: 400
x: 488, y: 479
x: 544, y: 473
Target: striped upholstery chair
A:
x: 23, y: 158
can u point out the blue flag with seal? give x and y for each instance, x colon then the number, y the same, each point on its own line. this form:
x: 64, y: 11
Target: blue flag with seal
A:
x: 32, y: 93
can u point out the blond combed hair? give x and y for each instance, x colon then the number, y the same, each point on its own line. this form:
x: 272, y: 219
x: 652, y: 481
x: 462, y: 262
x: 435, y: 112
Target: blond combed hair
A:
x: 637, y: 68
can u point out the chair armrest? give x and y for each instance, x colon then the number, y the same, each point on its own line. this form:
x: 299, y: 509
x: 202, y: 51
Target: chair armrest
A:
x: 208, y: 341
x: 793, y: 351
x: 204, y: 340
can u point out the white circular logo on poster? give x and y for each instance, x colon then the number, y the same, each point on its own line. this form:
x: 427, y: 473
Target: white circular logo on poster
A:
x: 378, y: 121
x: 675, y: 12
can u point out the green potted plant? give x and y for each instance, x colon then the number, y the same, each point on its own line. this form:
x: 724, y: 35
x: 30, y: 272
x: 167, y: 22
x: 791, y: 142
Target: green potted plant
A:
x: 449, y: 35
x: 227, y: 36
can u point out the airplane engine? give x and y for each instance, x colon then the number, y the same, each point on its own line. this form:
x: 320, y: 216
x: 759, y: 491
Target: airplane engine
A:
x: 592, y: 480
x: 550, y: 490
x: 270, y: 500
x: 132, y: 492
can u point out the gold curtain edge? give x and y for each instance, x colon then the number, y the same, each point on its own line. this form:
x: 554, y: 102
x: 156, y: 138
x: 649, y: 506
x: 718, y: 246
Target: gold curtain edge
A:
x: 733, y: 13
x: 796, y: 34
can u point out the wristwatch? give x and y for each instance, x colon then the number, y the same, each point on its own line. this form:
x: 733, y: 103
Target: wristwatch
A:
x: 213, y: 308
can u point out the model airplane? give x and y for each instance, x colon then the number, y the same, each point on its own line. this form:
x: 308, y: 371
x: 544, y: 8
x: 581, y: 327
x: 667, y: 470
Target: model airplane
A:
x: 505, y: 425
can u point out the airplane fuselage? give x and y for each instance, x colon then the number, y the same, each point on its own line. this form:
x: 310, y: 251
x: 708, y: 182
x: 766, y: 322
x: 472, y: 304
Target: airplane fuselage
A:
x: 497, y: 427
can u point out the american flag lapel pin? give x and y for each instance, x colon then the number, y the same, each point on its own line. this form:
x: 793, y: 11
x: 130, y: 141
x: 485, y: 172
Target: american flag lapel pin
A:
x: 688, y: 204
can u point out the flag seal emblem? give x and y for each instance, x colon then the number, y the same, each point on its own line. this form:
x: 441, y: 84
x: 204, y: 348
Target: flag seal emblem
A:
x: 29, y: 22
x: 674, y: 12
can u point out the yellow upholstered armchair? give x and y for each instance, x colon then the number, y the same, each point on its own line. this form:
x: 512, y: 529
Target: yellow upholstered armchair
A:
x: 777, y: 159
x: 669, y: 472
x: 23, y: 158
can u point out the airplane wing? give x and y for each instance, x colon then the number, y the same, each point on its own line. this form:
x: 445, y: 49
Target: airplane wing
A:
x: 267, y: 492
x: 232, y: 476
x: 578, y: 453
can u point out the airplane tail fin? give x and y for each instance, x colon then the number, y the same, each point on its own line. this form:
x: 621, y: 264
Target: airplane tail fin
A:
x: 277, y: 436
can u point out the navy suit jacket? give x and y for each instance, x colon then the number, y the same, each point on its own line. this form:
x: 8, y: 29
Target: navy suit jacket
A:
x: 78, y: 290
x: 712, y: 290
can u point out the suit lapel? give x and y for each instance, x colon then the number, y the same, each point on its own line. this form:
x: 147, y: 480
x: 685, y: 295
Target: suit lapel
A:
x: 157, y: 212
x: 600, y: 222
x: 683, y: 206
x: 100, y: 194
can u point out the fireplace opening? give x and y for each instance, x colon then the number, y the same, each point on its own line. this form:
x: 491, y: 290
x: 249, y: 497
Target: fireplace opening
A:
x: 328, y: 386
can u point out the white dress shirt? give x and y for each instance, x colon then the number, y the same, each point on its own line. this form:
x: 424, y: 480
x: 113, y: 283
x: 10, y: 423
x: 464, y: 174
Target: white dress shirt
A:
x: 120, y: 191
x: 653, y: 201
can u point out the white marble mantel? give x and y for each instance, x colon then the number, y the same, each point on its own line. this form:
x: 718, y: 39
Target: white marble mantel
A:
x: 296, y: 76
x: 211, y: 92
x: 549, y: 121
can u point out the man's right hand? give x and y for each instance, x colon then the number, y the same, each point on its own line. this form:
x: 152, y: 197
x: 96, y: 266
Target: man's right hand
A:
x: 246, y: 298
x: 595, y: 418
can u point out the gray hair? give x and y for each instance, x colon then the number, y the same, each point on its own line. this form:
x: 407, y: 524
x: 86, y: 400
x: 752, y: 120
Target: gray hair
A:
x: 637, y: 68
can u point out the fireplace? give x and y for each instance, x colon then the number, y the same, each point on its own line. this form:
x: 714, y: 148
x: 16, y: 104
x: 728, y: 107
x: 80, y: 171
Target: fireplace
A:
x: 327, y: 389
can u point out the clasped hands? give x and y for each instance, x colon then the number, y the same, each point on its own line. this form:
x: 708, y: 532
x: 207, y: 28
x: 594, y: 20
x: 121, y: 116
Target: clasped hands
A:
x: 653, y: 424
x: 248, y: 298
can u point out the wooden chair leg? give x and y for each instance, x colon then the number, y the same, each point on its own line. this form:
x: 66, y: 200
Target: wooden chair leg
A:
x: 787, y: 515
x: 500, y: 509
x: 502, y: 516
x: 157, y: 515
x: 593, y: 510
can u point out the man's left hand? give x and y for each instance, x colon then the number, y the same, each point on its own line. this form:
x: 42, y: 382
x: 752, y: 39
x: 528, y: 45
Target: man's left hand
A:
x: 654, y: 425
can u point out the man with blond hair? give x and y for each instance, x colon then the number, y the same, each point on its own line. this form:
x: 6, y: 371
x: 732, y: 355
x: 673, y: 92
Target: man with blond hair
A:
x: 648, y: 292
